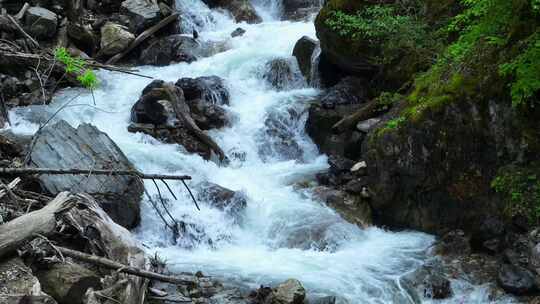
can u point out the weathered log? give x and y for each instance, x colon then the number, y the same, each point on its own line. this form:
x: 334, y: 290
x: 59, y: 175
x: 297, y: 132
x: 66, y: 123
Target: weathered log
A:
x: 110, y: 264
x: 143, y: 36
x: 349, y: 122
x: 74, y: 171
x: 43, y: 221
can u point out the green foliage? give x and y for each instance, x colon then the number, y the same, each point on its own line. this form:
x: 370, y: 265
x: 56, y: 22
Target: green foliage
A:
x: 85, y: 76
x: 525, y: 69
x: 520, y: 187
x: 384, y: 26
x: 395, y: 123
x: 387, y: 100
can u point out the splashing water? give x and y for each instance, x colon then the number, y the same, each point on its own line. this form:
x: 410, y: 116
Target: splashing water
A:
x: 269, y: 244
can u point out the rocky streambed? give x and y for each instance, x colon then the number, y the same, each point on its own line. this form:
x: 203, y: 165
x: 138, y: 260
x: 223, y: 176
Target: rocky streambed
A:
x: 299, y: 196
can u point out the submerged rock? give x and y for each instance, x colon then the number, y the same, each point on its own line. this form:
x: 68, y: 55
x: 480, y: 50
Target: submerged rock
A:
x: 283, y: 74
x: 279, y: 136
x: 242, y: 10
x: 238, y: 32
x: 428, y: 282
x: 232, y: 202
x: 62, y: 146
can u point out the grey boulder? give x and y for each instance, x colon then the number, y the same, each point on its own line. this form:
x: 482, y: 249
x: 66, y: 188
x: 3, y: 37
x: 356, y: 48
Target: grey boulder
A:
x: 41, y: 22
x: 61, y: 146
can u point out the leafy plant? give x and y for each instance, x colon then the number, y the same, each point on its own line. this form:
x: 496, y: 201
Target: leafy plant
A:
x: 520, y: 188
x: 85, y: 76
x: 384, y: 26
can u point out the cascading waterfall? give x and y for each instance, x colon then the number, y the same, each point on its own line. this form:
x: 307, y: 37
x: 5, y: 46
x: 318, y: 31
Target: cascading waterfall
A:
x: 283, y: 232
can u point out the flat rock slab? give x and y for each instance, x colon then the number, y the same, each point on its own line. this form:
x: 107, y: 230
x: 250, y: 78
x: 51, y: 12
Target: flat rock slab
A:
x: 61, y: 146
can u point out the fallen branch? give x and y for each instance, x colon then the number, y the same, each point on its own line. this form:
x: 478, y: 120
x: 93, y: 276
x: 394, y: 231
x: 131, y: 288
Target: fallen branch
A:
x: 10, y: 186
x: 143, y: 36
x: 23, y: 10
x: 21, y: 229
x: 110, y: 264
x: 349, y: 122
x: 49, y: 171
x: 21, y: 30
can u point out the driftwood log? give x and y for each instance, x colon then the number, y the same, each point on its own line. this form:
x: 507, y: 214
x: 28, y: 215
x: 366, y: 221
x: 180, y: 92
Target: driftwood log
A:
x: 349, y: 122
x: 79, y: 217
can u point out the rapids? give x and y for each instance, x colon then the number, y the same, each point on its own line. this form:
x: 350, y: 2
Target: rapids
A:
x: 357, y: 265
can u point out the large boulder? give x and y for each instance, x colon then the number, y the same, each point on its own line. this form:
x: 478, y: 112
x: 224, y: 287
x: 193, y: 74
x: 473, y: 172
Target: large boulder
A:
x: 303, y: 52
x: 155, y: 116
x: 142, y: 13
x: 115, y: 38
x: 61, y: 146
x: 41, y: 23
x: 167, y: 50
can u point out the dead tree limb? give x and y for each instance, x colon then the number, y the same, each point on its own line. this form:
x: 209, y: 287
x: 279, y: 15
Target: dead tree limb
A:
x: 110, y: 264
x: 182, y: 111
x: 22, y: 11
x: 21, y: 30
x: 49, y: 171
x: 10, y: 186
x: 143, y: 36
x: 21, y: 229
x: 349, y: 122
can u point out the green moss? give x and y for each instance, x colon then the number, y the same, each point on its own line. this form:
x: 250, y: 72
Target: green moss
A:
x: 520, y: 189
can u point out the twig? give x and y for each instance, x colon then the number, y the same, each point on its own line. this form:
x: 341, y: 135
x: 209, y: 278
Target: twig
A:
x: 192, y: 197
x: 169, y: 188
x: 23, y: 10
x: 163, y: 202
x: 110, y: 264
x: 143, y: 36
x: 73, y: 171
x: 52, y: 246
x: 22, y: 31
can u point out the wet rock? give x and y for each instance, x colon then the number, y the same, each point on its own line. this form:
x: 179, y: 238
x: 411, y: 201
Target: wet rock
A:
x: 428, y: 282
x: 61, y: 146
x: 242, y: 10
x: 299, y: 9
x: 232, y: 202
x: 339, y: 164
x: 289, y: 292
x: 238, y: 32
x: 279, y: 136
x: 166, y: 50
x: 67, y: 283
x: 332, y: 106
x: 143, y: 14
x: 488, y: 234
x: 454, y: 243
x: 303, y: 52
x: 83, y: 36
x: 516, y: 280
x: 152, y: 111
x: 211, y: 89
x: 115, y: 38
x: 437, y: 287
x: 352, y: 208
x: 41, y: 22
x: 283, y: 74
x: 208, y: 115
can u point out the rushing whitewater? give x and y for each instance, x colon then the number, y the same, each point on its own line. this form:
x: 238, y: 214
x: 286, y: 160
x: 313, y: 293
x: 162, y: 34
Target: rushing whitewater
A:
x: 357, y: 266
